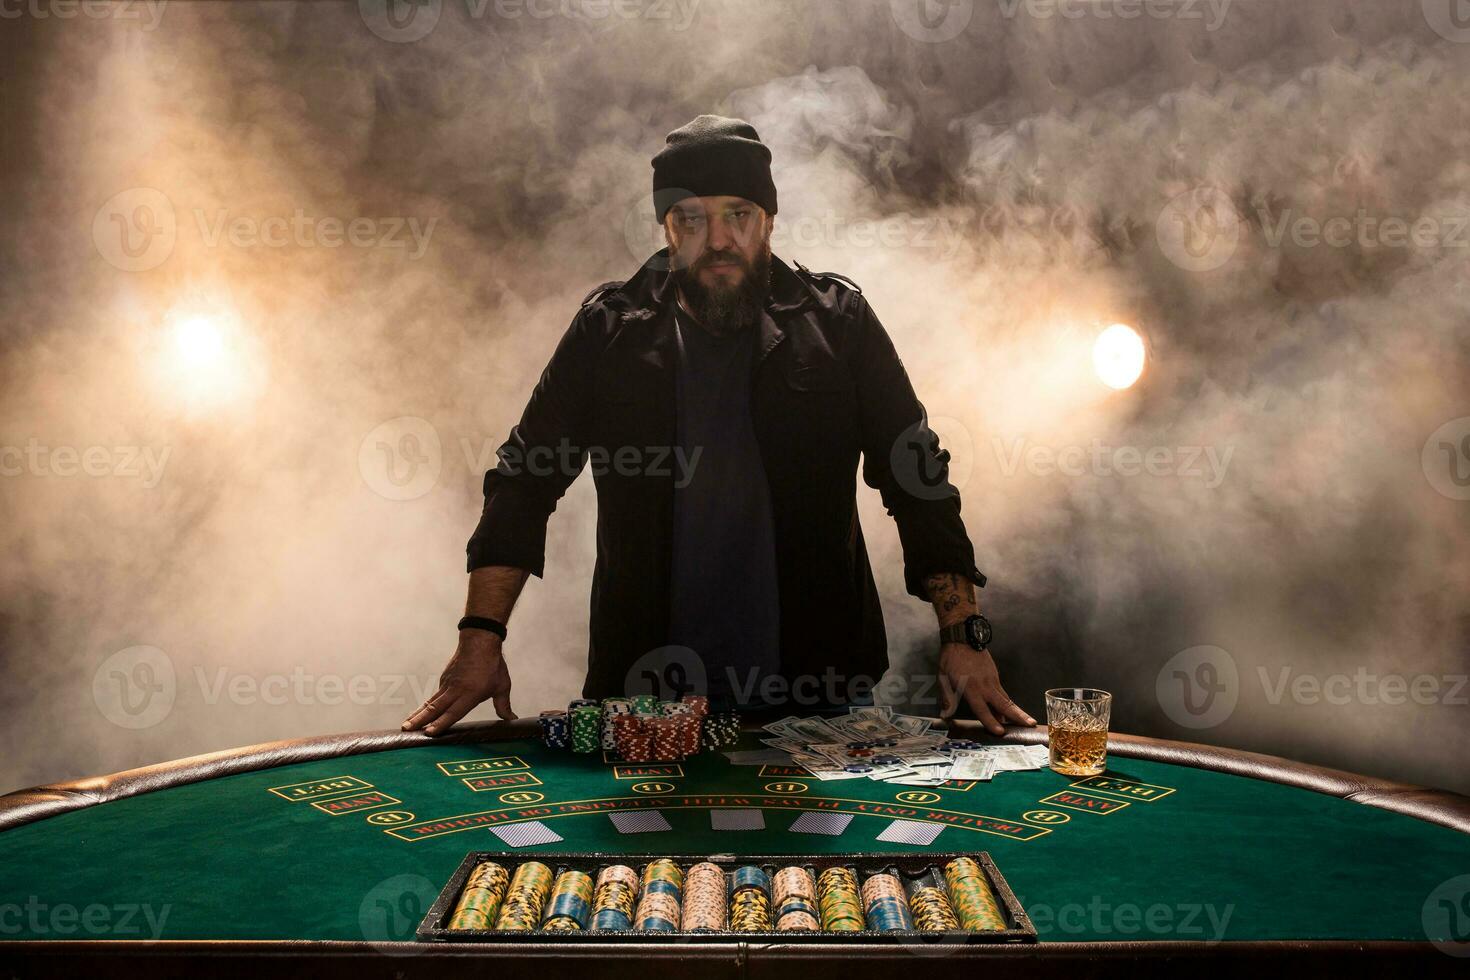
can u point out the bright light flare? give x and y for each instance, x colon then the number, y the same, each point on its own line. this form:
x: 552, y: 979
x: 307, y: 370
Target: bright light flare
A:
x: 199, y: 343
x: 1118, y: 356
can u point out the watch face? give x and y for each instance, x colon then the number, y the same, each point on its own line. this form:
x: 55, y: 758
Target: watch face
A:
x: 979, y: 629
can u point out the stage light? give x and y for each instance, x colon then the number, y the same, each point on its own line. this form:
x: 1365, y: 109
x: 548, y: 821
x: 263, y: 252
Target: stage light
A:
x: 1118, y: 356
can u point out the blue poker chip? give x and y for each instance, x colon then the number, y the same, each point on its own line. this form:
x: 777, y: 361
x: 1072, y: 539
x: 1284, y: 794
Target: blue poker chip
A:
x: 860, y: 745
x: 857, y: 767
x: 883, y: 743
x: 963, y: 743
x: 887, y: 760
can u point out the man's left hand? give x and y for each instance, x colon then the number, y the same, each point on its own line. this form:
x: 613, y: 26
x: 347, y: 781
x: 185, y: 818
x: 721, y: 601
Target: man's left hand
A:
x: 971, y: 674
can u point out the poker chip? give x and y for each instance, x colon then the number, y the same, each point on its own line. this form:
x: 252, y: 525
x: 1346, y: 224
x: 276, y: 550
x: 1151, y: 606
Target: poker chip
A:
x: 857, y: 767
x: 961, y: 744
x: 750, y: 903
x: 555, y: 729
x: 859, y: 745
x: 970, y: 896
x: 932, y: 911
x: 704, y: 899
x: 658, y: 908
x: 480, y: 901
x: 525, y: 898
x: 885, y: 906
x: 887, y: 760
x: 586, y: 728
x: 839, y: 902
x: 570, y: 903
x: 615, y: 898
x: 859, y: 753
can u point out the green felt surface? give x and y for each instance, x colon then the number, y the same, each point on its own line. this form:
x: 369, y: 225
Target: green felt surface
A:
x: 1221, y: 857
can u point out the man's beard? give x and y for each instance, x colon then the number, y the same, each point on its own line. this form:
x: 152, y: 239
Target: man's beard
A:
x: 726, y: 309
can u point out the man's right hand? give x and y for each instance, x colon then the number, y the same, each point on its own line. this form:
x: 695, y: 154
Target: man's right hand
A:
x: 475, y: 672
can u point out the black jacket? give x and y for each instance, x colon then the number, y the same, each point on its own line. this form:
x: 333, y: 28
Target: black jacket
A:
x: 826, y: 387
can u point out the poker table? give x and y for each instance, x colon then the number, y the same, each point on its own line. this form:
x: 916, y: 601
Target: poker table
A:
x: 322, y: 855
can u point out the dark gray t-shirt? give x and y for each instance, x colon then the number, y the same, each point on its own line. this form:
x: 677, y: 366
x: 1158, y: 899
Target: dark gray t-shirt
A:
x: 724, y: 601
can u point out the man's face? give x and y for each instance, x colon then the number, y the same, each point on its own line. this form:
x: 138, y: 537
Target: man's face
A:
x: 720, y: 250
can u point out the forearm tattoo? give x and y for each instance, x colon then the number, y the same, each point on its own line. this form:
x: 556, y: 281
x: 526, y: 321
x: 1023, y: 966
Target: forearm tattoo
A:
x: 953, y: 596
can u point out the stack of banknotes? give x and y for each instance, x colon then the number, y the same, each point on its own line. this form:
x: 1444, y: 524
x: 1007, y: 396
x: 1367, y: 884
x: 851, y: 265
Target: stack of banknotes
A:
x: 875, y: 743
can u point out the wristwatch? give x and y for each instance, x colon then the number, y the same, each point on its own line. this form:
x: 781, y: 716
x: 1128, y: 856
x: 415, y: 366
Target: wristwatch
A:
x: 974, y: 632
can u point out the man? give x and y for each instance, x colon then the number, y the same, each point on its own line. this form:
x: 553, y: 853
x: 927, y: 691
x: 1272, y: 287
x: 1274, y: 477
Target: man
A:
x: 724, y: 399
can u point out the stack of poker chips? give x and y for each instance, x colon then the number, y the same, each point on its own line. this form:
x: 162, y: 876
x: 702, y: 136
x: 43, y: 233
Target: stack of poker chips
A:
x: 571, y: 903
x: 794, y: 895
x: 885, y: 905
x: 586, y: 727
x: 615, y: 898
x: 720, y: 730
x: 750, y: 903
x: 838, y: 900
x: 658, y: 909
x: 632, y: 738
x: 931, y: 910
x: 525, y: 898
x: 480, y: 901
x: 612, y: 710
x: 704, y: 898
x: 970, y: 896
x: 556, y: 729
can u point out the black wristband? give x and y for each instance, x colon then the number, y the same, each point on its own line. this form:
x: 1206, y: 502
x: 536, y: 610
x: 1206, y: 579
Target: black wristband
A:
x: 483, y: 623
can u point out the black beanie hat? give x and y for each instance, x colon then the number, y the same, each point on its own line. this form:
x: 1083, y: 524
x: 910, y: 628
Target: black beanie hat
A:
x: 713, y: 155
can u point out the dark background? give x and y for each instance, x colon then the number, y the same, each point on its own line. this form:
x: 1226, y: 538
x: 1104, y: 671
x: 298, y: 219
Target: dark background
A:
x: 295, y: 565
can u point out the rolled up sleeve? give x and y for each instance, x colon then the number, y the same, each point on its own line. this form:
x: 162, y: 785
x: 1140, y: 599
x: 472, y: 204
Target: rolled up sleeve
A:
x: 903, y: 461
x: 545, y: 452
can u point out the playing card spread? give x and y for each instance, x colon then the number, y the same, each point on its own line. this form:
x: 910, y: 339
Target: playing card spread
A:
x: 830, y: 824
x: 639, y: 823
x: 526, y: 834
x: 911, y: 832
x: 737, y: 820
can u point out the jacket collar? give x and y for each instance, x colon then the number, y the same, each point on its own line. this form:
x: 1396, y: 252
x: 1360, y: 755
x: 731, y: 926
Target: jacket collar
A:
x: 652, y: 289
